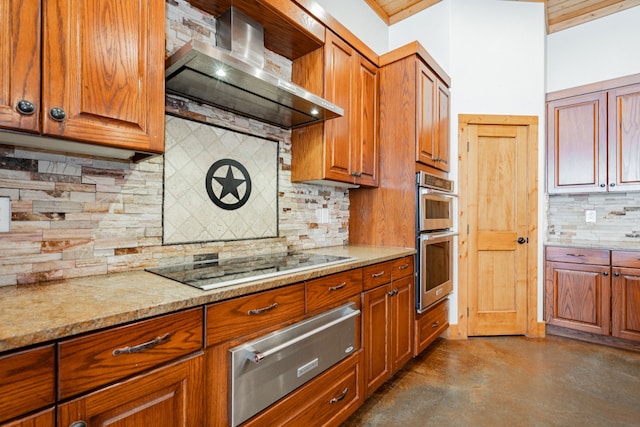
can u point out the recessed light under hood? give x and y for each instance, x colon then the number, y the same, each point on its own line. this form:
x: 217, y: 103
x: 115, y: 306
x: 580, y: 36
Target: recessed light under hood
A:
x: 233, y: 79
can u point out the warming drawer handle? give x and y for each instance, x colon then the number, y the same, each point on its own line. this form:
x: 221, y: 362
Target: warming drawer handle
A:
x: 262, y: 310
x: 257, y: 356
x: 144, y: 346
x: 403, y: 267
x: 338, y: 287
x: 378, y: 274
x: 342, y: 396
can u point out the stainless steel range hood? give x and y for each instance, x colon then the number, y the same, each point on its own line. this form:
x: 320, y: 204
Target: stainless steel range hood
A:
x: 233, y: 79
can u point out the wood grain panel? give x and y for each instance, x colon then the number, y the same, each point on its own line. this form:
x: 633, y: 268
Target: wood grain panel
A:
x: 625, y: 303
x: 630, y: 259
x: 624, y: 138
x: 578, y: 255
x: 430, y: 325
x: 376, y: 327
x: 102, y: 357
x: 27, y: 381
x: 376, y: 275
x: 330, y: 290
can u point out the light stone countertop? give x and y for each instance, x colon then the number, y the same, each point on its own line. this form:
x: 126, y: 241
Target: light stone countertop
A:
x: 31, y: 314
x: 596, y: 244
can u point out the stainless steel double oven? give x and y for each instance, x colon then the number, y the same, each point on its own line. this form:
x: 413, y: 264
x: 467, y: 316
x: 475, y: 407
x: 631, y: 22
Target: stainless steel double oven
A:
x: 434, y: 239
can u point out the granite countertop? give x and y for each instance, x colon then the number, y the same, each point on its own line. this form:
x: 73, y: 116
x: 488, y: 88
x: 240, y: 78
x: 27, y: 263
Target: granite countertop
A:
x: 596, y: 244
x: 34, y: 314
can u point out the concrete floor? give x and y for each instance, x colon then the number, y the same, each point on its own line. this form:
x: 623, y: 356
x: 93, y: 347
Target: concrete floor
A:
x: 509, y: 381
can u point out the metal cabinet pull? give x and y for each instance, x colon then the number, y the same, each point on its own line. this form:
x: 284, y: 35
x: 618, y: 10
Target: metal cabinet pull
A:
x: 617, y: 274
x: 26, y: 107
x: 342, y: 396
x: 262, y: 310
x: 378, y: 274
x: 144, y: 346
x: 337, y: 287
x: 57, y: 114
x: 78, y: 424
x: 436, y: 324
x: 604, y: 273
x: 403, y: 267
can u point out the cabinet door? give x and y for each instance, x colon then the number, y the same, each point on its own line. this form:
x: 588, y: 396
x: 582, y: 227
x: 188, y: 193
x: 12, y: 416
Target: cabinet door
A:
x: 624, y: 139
x: 578, y: 296
x: 365, y: 119
x: 376, y: 319
x: 442, y: 122
x: 426, y: 101
x: 19, y: 63
x: 170, y: 396
x: 577, y: 144
x: 625, y: 303
x: 402, y: 310
x: 339, y: 83
x: 103, y: 70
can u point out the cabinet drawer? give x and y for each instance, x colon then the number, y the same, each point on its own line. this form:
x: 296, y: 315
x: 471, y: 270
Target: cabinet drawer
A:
x: 577, y: 255
x: 237, y: 317
x: 26, y: 381
x: 103, y: 357
x: 628, y: 259
x: 402, y: 267
x: 430, y: 325
x: 376, y: 275
x: 327, y: 400
x: 325, y: 291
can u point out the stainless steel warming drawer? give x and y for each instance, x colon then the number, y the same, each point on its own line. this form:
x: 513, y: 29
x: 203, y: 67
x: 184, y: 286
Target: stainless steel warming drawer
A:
x: 268, y: 368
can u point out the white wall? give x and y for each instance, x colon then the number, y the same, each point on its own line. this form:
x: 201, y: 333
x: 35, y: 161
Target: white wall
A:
x: 599, y: 50
x: 361, y: 20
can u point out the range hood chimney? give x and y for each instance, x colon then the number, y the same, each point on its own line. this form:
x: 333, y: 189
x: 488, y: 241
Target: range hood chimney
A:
x: 231, y: 77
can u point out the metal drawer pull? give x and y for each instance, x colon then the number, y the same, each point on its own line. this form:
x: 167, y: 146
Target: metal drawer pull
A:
x: 78, y: 424
x: 144, y: 346
x: 378, y: 274
x: 436, y: 324
x: 342, y: 396
x: 337, y: 287
x: 257, y: 356
x: 262, y: 310
x: 576, y: 255
x: 403, y: 267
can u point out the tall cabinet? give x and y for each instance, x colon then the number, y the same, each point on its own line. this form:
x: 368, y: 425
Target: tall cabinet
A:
x: 343, y: 149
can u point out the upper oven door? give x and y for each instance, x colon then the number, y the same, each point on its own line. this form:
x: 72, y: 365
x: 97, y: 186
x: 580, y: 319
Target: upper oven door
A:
x: 435, y: 210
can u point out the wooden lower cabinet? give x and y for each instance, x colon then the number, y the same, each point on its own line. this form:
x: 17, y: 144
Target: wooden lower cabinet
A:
x: 169, y: 396
x: 625, y: 295
x: 388, y: 330
x: 430, y: 325
x: 327, y: 400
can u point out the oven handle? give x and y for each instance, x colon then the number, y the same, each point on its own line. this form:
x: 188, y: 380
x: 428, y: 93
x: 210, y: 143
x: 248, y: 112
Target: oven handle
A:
x: 434, y: 236
x: 257, y: 356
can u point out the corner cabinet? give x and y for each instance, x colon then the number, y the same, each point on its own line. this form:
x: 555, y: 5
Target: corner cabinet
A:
x: 593, y: 140
x: 102, y: 71
x: 344, y: 149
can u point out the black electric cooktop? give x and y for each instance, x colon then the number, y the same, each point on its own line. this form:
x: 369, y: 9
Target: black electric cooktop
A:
x: 218, y: 273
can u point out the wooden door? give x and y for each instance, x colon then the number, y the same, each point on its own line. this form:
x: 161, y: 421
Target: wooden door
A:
x: 624, y: 138
x: 577, y: 144
x: 426, y: 101
x: 498, y: 224
x: 339, y: 84
x: 20, y: 64
x: 103, y: 72
x: 578, y: 296
x: 171, y: 396
x: 625, y: 303
x: 376, y: 320
x: 365, y: 124
x: 402, y: 310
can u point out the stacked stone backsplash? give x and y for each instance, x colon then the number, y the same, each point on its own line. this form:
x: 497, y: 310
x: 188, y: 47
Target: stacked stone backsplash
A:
x: 617, y: 219
x: 77, y: 216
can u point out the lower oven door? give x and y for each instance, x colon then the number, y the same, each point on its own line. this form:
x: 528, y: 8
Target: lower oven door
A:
x: 268, y: 368
x: 435, y: 268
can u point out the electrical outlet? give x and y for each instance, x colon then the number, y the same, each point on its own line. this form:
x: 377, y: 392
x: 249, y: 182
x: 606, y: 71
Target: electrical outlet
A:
x: 590, y: 215
x: 5, y: 214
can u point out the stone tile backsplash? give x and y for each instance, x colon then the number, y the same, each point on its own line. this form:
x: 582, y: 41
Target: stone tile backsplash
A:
x: 77, y: 216
x: 617, y: 218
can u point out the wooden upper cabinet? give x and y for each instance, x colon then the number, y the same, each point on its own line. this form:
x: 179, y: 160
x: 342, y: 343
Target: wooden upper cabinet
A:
x: 344, y: 149
x: 577, y: 144
x: 432, y: 119
x: 624, y: 138
x: 20, y: 64
x: 103, y: 72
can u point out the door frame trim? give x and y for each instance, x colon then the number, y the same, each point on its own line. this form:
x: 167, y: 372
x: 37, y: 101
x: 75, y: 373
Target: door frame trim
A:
x: 534, y: 328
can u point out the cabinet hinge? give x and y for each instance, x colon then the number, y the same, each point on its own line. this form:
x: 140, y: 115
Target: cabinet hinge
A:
x: 467, y: 146
x: 467, y: 311
x: 467, y: 228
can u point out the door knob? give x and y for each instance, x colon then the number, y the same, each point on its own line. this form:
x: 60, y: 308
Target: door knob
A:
x: 523, y: 240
